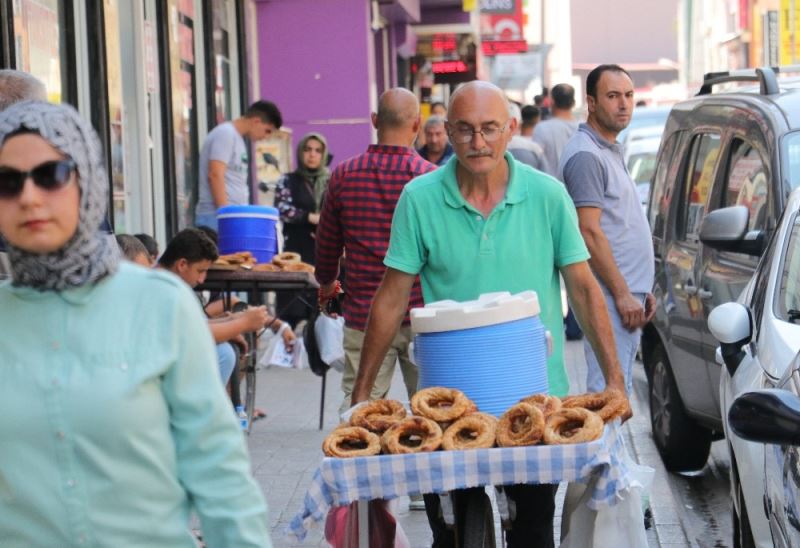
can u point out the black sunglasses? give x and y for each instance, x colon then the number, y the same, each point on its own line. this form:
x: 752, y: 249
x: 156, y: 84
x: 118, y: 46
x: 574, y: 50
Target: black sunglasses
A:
x: 47, y: 176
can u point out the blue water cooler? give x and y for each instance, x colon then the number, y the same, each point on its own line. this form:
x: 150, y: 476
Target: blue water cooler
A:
x: 248, y: 228
x: 493, y: 349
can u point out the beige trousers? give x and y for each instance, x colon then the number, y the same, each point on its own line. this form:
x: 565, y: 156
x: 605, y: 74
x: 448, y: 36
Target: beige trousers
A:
x: 398, y: 351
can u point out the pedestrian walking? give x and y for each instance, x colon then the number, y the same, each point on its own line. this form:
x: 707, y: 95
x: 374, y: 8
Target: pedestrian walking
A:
x: 114, y: 424
x: 522, y: 148
x: 553, y: 133
x: 299, y: 200
x: 225, y: 160
x: 356, y: 220
x: 16, y: 86
x: 458, y: 229
x: 437, y: 149
x: 531, y: 115
x: 610, y: 216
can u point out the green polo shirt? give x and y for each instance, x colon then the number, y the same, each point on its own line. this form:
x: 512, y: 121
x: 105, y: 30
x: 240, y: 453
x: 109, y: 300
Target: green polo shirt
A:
x: 459, y: 254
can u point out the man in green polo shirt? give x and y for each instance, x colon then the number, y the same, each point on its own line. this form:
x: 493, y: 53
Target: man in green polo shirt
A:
x: 481, y: 223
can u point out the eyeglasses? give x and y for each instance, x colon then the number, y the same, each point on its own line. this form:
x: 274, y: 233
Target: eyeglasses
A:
x: 47, y: 176
x: 464, y: 134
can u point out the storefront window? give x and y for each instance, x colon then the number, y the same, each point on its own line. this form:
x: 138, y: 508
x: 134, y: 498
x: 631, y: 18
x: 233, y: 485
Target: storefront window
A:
x: 115, y: 114
x: 223, y: 32
x: 184, y: 115
x: 38, y: 43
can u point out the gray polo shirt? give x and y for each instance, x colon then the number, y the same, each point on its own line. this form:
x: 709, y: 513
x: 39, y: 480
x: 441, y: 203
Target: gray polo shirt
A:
x: 552, y: 135
x: 225, y: 144
x: 595, y: 175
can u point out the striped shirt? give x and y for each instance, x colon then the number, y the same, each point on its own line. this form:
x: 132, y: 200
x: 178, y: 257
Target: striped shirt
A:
x: 357, y: 217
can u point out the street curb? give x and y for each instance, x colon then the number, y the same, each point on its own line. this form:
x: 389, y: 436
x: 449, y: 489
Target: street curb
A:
x: 667, y: 528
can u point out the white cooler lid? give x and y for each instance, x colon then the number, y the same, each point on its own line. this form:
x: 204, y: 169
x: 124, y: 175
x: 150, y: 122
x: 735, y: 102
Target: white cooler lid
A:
x: 488, y: 309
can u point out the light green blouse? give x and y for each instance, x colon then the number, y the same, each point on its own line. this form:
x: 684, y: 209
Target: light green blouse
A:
x: 113, y: 422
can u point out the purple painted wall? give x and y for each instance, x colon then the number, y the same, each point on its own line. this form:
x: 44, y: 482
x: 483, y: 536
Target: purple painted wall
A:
x: 317, y: 65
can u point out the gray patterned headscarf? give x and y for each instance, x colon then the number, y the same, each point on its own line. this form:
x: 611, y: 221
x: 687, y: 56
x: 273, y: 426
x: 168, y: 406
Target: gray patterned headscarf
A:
x: 89, y: 255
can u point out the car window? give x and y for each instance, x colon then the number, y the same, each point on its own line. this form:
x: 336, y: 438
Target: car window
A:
x: 641, y: 167
x: 697, y: 185
x: 791, y: 154
x: 662, y: 187
x: 747, y: 183
x: 788, y: 294
x: 758, y: 297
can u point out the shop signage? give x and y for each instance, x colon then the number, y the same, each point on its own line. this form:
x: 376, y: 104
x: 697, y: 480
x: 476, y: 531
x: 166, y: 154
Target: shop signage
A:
x: 502, y: 20
x: 498, y: 6
x: 449, y: 67
x: 495, y: 47
x: 444, y: 43
x: 771, y: 32
x: 789, y: 32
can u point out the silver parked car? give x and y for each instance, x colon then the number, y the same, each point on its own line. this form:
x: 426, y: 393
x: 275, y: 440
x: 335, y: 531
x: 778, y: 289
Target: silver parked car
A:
x: 760, y: 338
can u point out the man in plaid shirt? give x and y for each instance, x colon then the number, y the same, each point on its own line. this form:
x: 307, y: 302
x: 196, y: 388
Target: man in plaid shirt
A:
x: 357, y: 218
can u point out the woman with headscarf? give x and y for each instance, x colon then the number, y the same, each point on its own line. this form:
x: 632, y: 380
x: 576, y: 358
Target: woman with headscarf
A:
x: 114, y: 423
x: 299, y: 196
x: 299, y: 199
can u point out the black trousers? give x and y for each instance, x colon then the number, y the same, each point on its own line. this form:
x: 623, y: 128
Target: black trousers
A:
x: 532, y: 526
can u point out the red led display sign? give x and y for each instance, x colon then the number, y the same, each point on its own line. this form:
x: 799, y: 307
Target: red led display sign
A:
x: 449, y: 67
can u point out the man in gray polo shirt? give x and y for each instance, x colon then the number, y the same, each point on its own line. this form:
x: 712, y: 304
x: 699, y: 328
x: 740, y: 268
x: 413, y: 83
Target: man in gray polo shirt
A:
x: 610, y: 216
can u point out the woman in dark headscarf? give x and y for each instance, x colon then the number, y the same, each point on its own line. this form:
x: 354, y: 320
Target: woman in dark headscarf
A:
x: 299, y: 196
x: 299, y: 200
x: 114, y: 423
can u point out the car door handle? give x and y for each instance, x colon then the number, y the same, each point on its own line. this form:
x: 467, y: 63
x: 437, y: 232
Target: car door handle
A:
x: 704, y: 294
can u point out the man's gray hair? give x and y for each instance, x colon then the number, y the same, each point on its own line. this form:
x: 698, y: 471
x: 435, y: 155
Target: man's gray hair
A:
x: 514, y: 111
x: 433, y: 121
x: 16, y: 86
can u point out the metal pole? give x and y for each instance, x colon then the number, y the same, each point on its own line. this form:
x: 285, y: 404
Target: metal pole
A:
x: 322, y: 399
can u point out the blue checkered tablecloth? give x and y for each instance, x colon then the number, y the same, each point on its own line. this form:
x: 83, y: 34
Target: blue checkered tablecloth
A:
x: 341, y: 481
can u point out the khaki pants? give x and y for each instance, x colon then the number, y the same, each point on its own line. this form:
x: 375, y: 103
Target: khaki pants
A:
x: 354, y: 341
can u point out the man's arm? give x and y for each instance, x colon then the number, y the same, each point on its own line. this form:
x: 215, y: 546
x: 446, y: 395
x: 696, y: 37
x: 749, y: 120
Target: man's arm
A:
x: 630, y: 309
x: 385, y: 316
x: 589, y: 305
x: 225, y: 329
x: 216, y: 182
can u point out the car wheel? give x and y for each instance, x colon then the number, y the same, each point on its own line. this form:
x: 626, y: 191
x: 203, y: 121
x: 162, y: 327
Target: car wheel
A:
x: 742, y: 534
x: 682, y: 444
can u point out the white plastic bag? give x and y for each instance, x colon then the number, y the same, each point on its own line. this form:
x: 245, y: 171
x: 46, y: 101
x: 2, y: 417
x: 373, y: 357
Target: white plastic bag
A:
x: 619, y: 525
x: 330, y: 340
x: 273, y: 352
x: 299, y: 354
x: 280, y: 355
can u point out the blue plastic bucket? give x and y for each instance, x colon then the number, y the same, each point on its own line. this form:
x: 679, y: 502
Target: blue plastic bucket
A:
x: 248, y: 228
x: 494, y: 365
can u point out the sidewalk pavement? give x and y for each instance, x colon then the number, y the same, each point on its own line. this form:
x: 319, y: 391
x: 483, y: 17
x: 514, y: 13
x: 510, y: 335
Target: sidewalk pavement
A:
x: 285, y: 450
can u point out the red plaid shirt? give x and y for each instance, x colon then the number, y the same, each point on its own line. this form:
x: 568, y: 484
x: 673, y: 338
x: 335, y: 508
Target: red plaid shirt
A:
x: 357, y: 217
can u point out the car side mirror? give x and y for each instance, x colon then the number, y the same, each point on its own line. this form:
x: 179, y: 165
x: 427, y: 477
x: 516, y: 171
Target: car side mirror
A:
x: 726, y: 230
x: 732, y: 325
x: 766, y: 416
